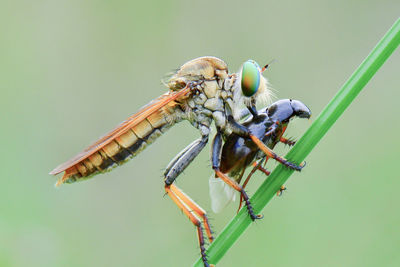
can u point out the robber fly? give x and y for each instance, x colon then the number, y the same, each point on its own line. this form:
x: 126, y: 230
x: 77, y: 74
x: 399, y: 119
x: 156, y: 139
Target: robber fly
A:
x: 201, y: 91
x: 239, y: 152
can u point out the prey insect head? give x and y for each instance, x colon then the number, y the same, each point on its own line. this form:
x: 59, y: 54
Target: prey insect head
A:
x: 283, y: 110
x: 300, y: 110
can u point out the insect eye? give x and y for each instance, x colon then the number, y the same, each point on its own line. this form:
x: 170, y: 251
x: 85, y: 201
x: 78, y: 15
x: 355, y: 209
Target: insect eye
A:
x: 250, y: 78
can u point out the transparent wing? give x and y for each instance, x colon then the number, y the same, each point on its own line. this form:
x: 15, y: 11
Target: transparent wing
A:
x: 134, y: 120
x: 221, y: 194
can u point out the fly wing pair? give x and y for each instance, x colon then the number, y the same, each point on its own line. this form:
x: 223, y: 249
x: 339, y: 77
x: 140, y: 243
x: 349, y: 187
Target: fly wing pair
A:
x: 125, y: 141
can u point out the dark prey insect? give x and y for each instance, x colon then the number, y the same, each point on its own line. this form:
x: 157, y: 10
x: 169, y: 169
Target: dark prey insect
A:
x: 239, y: 152
x: 201, y: 92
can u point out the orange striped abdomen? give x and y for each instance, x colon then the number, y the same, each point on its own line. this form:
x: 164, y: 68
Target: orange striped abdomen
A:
x: 125, y: 146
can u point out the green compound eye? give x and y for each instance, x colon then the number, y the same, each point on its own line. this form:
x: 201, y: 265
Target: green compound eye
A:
x: 250, y: 78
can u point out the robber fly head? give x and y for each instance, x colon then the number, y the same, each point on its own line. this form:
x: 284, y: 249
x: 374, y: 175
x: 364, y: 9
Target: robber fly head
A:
x: 253, y: 85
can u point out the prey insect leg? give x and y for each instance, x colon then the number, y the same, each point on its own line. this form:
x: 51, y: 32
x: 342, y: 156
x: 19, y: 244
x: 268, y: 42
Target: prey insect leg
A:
x: 280, y: 191
x: 257, y: 166
x: 215, y: 158
x: 287, y: 141
x: 260, y: 168
x: 244, y: 132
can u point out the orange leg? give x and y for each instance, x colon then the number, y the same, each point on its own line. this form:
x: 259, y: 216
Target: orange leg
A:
x: 257, y: 166
x: 194, y: 207
x: 238, y: 188
x: 287, y: 141
x: 261, y: 169
x: 189, y: 208
x: 216, y: 160
x: 271, y: 154
x: 265, y: 162
x: 280, y: 192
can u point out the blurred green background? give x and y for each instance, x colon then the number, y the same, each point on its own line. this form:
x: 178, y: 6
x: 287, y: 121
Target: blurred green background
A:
x: 72, y: 70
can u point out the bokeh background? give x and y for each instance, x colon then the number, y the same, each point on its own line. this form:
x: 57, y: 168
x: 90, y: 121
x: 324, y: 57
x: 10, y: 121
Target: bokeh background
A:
x: 72, y: 70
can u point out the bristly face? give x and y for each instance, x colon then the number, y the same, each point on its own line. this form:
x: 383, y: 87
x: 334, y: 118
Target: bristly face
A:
x: 251, y: 86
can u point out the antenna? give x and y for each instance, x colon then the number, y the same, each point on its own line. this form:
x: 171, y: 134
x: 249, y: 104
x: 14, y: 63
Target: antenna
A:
x: 266, y: 66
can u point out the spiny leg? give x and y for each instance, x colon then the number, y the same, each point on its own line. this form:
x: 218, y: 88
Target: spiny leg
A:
x: 284, y: 140
x: 215, y: 158
x: 195, y: 208
x: 256, y: 166
x: 271, y: 154
x: 194, y: 145
x: 238, y: 188
x: 183, y: 159
x: 175, y: 167
x: 280, y: 191
x: 193, y: 218
x: 287, y: 141
x: 262, y: 169
x: 244, y: 132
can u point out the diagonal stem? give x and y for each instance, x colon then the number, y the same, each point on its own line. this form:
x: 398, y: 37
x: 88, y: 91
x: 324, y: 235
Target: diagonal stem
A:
x: 308, y: 141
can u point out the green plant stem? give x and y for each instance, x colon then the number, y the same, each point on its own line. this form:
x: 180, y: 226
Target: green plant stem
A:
x: 307, y: 142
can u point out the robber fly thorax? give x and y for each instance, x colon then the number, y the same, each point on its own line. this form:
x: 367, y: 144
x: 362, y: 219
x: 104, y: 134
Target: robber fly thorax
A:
x: 215, y: 95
